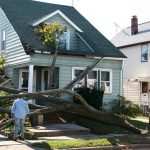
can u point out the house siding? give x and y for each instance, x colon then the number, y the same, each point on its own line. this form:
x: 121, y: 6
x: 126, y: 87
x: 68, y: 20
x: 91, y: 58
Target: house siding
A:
x: 133, y: 71
x: 66, y: 63
x: 14, y: 51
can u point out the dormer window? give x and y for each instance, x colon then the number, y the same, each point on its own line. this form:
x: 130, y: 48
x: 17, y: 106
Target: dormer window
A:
x: 64, y: 43
x: 3, y: 40
x: 144, y: 53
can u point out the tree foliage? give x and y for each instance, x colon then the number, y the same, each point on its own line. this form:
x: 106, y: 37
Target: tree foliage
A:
x: 2, y: 61
x: 51, y: 33
x: 125, y: 107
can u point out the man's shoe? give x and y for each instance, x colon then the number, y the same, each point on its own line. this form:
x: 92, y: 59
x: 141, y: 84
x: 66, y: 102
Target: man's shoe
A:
x: 22, y: 138
x: 15, y: 138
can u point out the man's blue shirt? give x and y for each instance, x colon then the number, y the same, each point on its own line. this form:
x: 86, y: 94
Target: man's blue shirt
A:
x: 20, y: 108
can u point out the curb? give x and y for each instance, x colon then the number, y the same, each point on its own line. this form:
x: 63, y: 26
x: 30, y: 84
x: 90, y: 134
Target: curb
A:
x: 113, y: 147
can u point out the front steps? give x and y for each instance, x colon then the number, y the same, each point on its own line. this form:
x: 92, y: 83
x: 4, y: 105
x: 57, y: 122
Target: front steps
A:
x: 62, y: 129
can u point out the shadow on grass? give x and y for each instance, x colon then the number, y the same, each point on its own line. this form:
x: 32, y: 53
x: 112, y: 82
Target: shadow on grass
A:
x: 138, y: 124
x: 42, y: 145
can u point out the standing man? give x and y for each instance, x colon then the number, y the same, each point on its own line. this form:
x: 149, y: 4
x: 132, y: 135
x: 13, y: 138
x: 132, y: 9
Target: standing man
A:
x: 19, y: 111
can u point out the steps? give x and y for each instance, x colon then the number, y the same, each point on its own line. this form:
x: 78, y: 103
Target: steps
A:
x: 50, y: 130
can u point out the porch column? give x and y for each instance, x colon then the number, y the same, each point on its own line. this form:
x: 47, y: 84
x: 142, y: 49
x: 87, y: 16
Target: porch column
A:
x: 30, y: 81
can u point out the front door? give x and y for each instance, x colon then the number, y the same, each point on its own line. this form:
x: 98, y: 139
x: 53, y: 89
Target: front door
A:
x: 144, y: 93
x: 45, y: 79
x: 23, y: 80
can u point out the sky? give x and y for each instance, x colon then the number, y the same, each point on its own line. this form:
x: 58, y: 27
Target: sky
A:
x: 104, y: 14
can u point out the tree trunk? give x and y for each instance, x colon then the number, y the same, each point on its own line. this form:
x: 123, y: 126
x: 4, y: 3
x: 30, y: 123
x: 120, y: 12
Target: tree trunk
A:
x: 84, y: 110
x: 82, y: 75
x: 52, y: 71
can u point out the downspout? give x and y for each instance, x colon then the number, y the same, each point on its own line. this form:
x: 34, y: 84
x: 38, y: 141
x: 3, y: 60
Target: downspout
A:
x: 121, y: 78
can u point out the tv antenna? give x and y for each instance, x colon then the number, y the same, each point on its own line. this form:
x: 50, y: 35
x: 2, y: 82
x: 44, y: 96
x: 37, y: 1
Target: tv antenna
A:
x: 73, y: 1
x: 117, y: 26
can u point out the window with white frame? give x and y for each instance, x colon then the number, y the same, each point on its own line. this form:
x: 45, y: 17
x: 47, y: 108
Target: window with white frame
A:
x: 106, y: 80
x: 98, y: 78
x: 92, y: 79
x: 144, y: 52
x: 64, y: 42
x: 76, y: 73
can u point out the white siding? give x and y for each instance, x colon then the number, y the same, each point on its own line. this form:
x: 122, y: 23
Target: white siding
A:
x: 133, y: 70
x: 133, y: 67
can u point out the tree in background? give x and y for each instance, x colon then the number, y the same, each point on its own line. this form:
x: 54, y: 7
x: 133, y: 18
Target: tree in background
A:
x: 51, y: 35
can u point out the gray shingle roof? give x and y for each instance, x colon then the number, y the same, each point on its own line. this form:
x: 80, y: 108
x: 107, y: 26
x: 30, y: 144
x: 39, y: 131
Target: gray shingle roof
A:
x: 124, y: 37
x: 22, y: 13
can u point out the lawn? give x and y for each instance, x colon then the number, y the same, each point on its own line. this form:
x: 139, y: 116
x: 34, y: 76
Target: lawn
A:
x: 76, y: 143
x: 100, y: 128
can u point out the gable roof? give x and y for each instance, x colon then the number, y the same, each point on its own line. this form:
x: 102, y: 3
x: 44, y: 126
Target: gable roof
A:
x: 125, y: 39
x: 23, y: 13
x: 37, y: 22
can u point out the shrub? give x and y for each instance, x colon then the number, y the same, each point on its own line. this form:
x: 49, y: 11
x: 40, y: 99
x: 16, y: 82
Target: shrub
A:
x: 93, y: 97
x: 125, y: 107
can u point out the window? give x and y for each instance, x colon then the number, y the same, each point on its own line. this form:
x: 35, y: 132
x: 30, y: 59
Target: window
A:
x: 81, y: 83
x: 106, y: 81
x: 92, y: 80
x: 3, y: 39
x: 64, y: 41
x: 144, y: 53
x: 98, y: 78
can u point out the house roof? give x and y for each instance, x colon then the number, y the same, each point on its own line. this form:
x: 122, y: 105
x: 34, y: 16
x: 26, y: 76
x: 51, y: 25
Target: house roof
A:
x: 23, y: 13
x: 124, y: 37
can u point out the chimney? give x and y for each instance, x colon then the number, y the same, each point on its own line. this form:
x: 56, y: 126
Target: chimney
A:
x: 134, y: 25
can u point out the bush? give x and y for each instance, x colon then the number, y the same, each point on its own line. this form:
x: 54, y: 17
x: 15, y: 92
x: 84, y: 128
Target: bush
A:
x: 93, y: 97
x: 4, y: 102
x: 125, y: 107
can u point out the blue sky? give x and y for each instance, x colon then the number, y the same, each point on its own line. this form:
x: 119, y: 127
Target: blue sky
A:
x: 103, y: 13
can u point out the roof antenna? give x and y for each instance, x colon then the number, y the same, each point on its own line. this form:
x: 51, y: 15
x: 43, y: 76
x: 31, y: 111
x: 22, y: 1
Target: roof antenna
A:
x: 72, y: 3
x: 117, y: 26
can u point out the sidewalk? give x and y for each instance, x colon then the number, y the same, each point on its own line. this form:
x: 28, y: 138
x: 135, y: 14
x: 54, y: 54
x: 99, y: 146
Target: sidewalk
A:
x: 7, y: 144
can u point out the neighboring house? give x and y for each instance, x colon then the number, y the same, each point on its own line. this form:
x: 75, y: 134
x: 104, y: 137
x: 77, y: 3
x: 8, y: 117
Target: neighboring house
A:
x: 134, y: 42
x: 28, y: 61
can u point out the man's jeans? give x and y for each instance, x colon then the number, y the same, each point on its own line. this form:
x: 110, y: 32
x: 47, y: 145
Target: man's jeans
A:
x: 19, y: 123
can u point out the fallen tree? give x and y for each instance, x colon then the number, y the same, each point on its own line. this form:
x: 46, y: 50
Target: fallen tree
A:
x: 60, y: 104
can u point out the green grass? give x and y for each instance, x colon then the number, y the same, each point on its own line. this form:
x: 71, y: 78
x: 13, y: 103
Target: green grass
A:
x: 80, y: 143
x: 76, y: 143
x: 140, y: 122
x: 101, y: 128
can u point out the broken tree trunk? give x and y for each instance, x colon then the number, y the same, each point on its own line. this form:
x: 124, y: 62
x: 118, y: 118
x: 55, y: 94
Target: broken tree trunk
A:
x: 10, y: 90
x: 82, y: 75
x: 85, y: 110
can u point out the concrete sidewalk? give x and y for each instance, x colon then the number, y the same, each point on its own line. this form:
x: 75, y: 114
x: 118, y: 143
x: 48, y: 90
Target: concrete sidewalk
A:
x: 7, y: 144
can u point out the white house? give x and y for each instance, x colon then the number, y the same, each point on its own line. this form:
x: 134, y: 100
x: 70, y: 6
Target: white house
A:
x: 134, y: 42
